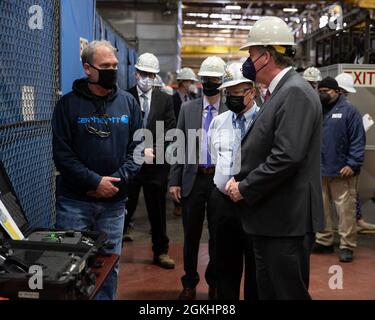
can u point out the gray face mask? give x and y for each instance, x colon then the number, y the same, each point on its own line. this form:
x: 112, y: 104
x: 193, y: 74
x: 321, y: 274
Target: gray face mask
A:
x: 145, y: 84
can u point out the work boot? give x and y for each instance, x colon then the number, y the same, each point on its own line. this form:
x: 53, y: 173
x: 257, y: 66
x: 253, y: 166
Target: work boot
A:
x: 187, y: 294
x: 319, y: 248
x: 129, y: 235
x: 346, y: 255
x: 164, y: 261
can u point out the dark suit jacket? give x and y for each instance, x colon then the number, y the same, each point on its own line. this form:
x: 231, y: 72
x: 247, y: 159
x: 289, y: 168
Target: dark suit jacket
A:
x: 161, y: 109
x: 183, y: 175
x: 177, y: 103
x: 280, y: 175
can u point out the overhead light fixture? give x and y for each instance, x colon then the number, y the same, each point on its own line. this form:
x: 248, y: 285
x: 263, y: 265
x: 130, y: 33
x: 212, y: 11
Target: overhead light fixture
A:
x: 219, y: 39
x: 231, y: 7
x: 190, y: 22
x: 223, y: 26
x: 290, y: 10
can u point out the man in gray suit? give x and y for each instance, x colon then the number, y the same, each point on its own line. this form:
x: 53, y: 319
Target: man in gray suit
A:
x: 279, y: 183
x: 191, y: 182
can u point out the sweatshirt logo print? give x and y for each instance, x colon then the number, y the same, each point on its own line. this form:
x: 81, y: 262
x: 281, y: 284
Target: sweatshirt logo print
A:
x: 124, y: 119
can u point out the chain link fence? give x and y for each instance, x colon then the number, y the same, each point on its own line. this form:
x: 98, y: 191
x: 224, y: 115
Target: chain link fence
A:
x: 29, y: 84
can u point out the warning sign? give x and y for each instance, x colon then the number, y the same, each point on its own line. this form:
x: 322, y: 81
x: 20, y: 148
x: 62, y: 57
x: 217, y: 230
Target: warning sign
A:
x: 362, y: 78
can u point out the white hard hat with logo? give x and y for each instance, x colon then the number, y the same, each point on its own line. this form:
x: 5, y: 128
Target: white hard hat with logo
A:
x: 147, y: 62
x: 312, y: 74
x: 346, y: 82
x: 233, y: 76
x: 186, y: 74
x: 212, y: 67
x: 270, y: 31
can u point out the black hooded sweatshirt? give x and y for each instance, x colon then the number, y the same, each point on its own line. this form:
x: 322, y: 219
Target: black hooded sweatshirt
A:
x: 83, y: 157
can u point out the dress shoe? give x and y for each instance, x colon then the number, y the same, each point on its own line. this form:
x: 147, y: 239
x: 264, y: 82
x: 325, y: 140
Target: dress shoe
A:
x: 177, y: 211
x: 212, y: 293
x: 363, y: 225
x: 164, y: 261
x: 346, y: 255
x: 319, y: 248
x: 187, y: 294
x: 129, y: 235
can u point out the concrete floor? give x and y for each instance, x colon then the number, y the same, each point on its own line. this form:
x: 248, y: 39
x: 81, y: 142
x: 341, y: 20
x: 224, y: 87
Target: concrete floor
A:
x: 141, y: 280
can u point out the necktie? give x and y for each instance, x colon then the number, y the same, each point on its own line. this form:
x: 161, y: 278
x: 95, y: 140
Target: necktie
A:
x: 207, y: 123
x: 146, y: 109
x: 241, y: 124
x: 267, y: 96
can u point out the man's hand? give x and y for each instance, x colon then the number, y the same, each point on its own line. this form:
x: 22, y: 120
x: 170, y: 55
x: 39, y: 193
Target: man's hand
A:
x: 175, y: 192
x: 346, y: 172
x: 232, y: 189
x: 105, y: 189
x: 149, y: 155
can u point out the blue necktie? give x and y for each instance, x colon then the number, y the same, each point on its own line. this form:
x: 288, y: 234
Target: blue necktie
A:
x: 241, y: 125
x: 207, y: 123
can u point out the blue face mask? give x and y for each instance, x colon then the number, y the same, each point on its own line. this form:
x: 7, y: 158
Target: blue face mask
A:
x: 248, y: 68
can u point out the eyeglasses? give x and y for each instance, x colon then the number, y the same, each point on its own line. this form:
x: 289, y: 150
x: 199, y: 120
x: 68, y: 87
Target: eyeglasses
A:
x: 237, y: 92
x: 102, y: 134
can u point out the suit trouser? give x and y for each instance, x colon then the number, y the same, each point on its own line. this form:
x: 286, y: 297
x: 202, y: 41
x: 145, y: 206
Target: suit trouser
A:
x: 232, y: 250
x: 342, y: 192
x: 154, y: 191
x: 282, y: 267
x: 193, y: 214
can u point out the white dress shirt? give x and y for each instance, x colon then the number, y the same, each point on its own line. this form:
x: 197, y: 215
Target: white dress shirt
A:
x: 225, y: 142
x: 277, y: 79
x: 148, y: 94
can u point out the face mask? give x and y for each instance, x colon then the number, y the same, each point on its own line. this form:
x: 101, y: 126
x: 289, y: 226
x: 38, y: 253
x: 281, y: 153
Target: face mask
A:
x: 248, y: 68
x: 193, y: 89
x: 210, y: 89
x: 325, y: 98
x: 107, y: 78
x: 145, y: 84
x: 235, y: 103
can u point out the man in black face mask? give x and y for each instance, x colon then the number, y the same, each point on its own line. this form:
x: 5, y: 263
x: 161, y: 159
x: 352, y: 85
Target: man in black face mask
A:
x: 93, y: 128
x: 342, y: 152
x: 191, y: 183
x: 225, y: 136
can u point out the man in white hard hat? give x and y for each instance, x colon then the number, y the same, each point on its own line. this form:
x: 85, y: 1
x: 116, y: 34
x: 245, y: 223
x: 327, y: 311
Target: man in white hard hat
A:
x: 225, y: 135
x: 191, y: 183
x: 313, y: 76
x: 153, y: 178
x: 186, y: 83
x: 346, y: 85
x: 279, y: 183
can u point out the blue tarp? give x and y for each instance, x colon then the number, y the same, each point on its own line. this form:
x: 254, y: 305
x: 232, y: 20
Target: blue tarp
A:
x: 77, y: 21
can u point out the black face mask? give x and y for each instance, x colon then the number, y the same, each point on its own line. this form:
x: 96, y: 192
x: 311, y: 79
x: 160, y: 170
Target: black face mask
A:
x: 107, y: 78
x: 210, y: 89
x: 248, y: 68
x: 325, y: 99
x: 236, y: 104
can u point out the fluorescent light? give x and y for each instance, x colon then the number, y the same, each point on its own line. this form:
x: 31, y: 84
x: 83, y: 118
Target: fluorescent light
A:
x: 233, y: 7
x: 226, y: 18
x: 223, y: 26
x: 197, y: 14
x: 190, y: 22
x: 290, y: 10
x: 219, y: 39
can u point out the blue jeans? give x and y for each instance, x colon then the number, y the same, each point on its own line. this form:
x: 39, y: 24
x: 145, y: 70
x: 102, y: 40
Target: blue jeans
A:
x: 95, y: 216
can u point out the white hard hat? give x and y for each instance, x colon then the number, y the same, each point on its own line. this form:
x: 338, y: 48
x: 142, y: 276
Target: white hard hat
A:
x: 158, y: 81
x: 346, y: 82
x: 269, y: 31
x: 147, y: 62
x: 186, y: 74
x: 312, y: 74
x: 212, y: 67
x: 233, y: 76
